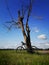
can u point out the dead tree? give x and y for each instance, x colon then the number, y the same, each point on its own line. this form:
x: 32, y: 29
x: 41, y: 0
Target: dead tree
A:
x: 26, y: 34
x: 25, y: 28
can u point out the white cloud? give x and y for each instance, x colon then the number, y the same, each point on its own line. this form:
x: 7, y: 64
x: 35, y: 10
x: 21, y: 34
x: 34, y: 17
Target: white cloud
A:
x: 47, y: 43
x: 36, y: 29
x: 42, y: 36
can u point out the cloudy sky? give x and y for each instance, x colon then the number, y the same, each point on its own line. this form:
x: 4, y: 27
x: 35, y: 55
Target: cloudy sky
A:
x: 38, y: 22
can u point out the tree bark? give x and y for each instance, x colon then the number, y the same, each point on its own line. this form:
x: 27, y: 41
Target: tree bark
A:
x: 26, y: 35
x: 28, y: 41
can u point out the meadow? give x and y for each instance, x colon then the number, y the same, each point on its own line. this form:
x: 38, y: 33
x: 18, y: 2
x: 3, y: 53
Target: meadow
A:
x: 11, y: 57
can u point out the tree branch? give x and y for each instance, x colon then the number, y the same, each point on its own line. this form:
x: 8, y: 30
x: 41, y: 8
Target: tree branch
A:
x: 20, y: 19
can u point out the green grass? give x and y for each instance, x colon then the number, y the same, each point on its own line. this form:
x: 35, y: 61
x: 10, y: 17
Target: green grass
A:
x: 11, y: 57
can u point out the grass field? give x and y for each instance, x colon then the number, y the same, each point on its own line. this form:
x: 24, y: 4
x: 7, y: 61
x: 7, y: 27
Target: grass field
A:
x: 11, y: 57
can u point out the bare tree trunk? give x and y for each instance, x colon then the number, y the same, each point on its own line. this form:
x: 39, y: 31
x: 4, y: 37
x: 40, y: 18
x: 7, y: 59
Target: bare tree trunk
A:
x: 20, y: 19
x: 22, y: 27
x: 28, y: 41
x: 26, y: 36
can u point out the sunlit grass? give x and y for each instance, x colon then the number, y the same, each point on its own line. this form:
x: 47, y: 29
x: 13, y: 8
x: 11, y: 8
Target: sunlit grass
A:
x: 11, y: 57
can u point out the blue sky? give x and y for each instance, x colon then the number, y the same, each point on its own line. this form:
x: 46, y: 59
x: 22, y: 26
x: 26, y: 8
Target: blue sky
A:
x: 38, y: 22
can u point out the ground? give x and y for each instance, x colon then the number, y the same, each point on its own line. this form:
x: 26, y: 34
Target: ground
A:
x: 11, y: 57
